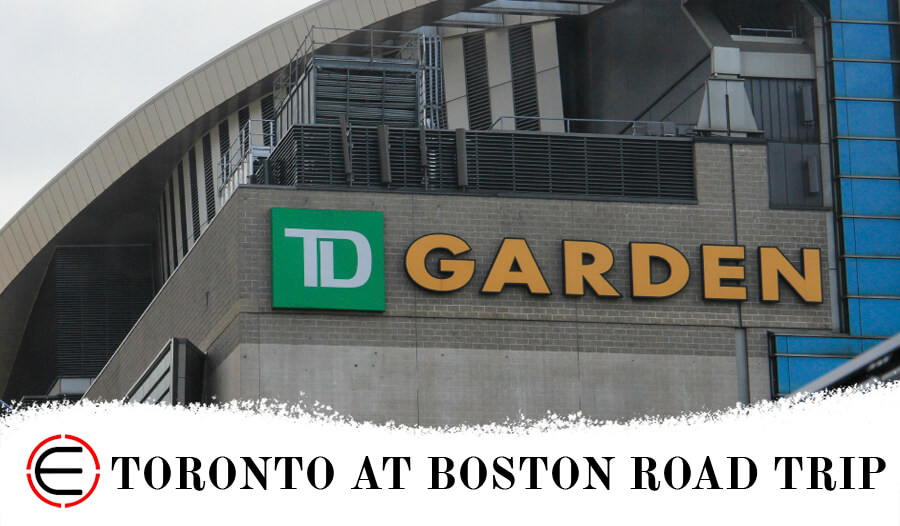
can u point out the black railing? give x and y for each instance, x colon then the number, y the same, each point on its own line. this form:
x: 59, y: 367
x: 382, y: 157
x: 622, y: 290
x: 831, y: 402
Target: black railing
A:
x: 493, y: 163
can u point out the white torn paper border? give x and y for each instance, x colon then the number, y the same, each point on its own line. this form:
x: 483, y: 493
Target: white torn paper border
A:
x: 854, y: 423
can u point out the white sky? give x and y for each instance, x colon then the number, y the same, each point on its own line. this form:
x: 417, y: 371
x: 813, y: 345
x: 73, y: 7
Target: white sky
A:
x: 71, y: 69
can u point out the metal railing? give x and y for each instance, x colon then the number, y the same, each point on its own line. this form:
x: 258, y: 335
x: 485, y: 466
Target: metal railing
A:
x: 602, y: 126
x: 370, y: 45
x: 538, y: 164
x: 790, y: 32
x: 254, y: 141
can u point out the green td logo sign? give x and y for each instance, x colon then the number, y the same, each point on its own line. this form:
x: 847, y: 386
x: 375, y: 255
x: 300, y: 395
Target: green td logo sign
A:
x: 327, y: 259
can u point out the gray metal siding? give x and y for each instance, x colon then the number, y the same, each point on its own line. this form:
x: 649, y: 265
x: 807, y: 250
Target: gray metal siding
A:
x: 778, y: 107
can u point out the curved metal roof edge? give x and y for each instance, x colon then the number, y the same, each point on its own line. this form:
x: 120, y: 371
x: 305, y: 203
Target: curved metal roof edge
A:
x: 146, y: 103
x: 111, y: 156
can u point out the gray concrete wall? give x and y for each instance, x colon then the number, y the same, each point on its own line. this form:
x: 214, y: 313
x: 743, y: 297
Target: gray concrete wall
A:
x: 443, y: 359
x: 622, y: 59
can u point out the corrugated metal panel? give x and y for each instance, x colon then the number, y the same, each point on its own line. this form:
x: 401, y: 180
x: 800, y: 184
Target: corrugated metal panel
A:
x: 778, y: 105
x: 477, y: 88
x: 100, y: 294
x: 789, y: 165
x: 524, y: 82
x: 786, y: 111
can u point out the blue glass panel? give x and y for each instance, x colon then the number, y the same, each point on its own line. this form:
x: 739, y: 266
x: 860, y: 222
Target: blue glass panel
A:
x: 877, y: 277
x: 783, y: 366
x: 854, y: 317
x: 872, y: 237
x: 868, y: 344
x: 879, y: 317
x: 847, y: 205
x: 866, y: 41
x: 861, y: 157
x: 822, y: 345
x: 870, y: 197
x: 794, y: 372
x: 849, y: 236
x: 805, y: 370
x: 866, y: 118
x: 866, y: 79
x: 851, y: 274
x: 875, y: 10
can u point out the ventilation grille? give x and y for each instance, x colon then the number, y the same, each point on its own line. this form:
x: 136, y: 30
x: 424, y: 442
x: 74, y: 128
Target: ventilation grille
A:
x: 243, y: 130
x: 174, y: 240
x: 579, y: 165
x: 224, y: 141
x: 195, y: 201
x: 639, y: 168
x: 182, y: 210
x: 164, y: 236
x: 267, y: 107
x: 524, y: 82
x: 208, y: 182
x: 367, y: 97
x: 477, y: 89
x: 100, y: 294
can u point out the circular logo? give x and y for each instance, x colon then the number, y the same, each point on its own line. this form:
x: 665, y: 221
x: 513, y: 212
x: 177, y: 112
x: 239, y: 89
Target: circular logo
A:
x: 63, y: 471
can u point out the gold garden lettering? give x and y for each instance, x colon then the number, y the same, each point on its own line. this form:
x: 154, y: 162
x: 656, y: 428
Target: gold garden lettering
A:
x: 586, y: 263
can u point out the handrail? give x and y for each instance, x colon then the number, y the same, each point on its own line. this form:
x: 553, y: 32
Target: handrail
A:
x: 311, y: 45
x: 241, y: 153
x: 674, y: 127
x: 790, y: 32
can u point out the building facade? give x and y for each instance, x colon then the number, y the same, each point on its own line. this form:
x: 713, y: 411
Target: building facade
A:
x: 438, y: 213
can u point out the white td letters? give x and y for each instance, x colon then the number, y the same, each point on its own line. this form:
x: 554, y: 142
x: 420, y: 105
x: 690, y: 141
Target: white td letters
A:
x: 313, y: 259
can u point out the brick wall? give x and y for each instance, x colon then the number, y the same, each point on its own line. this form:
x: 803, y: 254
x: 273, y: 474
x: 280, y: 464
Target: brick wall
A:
x: 465, y: 356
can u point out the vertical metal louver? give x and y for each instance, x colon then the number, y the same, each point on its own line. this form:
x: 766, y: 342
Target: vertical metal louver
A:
x: 267, y: 106
x: 164, y: 238
x: 171, y: 204
x: 496, y: 163
x: 224, y: 141
x: 100, y: 294
x: 243, y: 129
x: 183, y: 210
x: 209, y: 184
x: 195, y: 201
x: 367, y: 97
x: 433, y: 82
x: 477, y: 88
x: 524, y: 79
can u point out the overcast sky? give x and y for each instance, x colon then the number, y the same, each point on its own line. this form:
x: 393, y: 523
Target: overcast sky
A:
x: 71, y: 69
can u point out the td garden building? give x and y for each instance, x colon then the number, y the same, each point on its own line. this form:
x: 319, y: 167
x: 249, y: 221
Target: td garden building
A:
x: 434, y: 212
